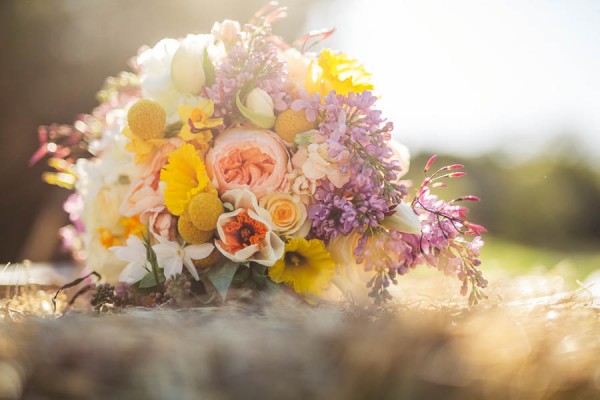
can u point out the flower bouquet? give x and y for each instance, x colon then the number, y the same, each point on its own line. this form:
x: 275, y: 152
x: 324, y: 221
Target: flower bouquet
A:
x: 234, y: 160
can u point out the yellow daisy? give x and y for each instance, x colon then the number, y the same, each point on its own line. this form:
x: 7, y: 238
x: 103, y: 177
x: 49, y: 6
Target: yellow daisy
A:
x: 335, y: 71
x: 306, y: 266
x: 185, y: 175
x: 197, y: 122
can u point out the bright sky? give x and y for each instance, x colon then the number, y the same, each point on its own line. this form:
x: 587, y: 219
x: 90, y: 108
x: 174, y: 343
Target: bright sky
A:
x: 468, y: 76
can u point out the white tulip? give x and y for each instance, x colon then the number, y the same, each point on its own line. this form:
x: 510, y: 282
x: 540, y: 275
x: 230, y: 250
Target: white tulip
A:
x: 187, y: 70
x: 260, y: 102
x: 403, y: 220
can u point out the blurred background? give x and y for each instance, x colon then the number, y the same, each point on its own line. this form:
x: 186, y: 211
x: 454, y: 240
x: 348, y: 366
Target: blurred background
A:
x: 509, y: 88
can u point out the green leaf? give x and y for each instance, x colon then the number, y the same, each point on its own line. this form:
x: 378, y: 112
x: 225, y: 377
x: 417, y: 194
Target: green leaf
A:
x: 272, y: 286
x: 260, y: 120
x: 209, y: 69
x: 221, y: 277
x: 149, y: 280
x: 241, y: 276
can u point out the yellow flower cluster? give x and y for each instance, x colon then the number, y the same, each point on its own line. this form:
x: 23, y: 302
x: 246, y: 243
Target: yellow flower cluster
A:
x: 146, y: 123
x: 336, y: 71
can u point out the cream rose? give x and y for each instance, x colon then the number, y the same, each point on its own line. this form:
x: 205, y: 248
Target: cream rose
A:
x: 350, y: 277
x: 288, y: 214
x: 342, y: 248
x: 243, y: 158
x: 297, y: 64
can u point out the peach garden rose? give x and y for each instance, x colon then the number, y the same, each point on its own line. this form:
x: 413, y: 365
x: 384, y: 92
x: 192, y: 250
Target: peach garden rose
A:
x: 244, y: 158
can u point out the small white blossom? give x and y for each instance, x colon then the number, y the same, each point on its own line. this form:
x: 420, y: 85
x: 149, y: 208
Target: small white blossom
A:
x: 135, y: 254
x: 171, y: 257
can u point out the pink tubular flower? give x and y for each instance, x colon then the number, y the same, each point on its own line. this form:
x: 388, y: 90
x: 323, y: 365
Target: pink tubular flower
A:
x: 244, y: 158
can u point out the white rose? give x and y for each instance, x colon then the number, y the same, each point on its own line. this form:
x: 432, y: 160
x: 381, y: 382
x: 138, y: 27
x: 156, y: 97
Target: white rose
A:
x: 350, y: 278
x: 342, y: 249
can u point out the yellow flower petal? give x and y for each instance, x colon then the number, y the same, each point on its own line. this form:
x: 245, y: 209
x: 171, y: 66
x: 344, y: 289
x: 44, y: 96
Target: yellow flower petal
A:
x: 143, y: 149
x: 185, y: 175
x: 204, y: 110
x: 306, y: 266
x: 184, y: 112
x: 335, y: 71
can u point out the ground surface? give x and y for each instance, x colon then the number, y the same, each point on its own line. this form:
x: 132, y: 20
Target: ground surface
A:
x: 530, y: 340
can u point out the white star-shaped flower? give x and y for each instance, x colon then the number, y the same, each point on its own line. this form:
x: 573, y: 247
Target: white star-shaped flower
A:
x: 172, y: 257
x: 135, y: 254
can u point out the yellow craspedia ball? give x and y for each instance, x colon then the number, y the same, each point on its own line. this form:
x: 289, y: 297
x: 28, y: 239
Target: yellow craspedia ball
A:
x: 204, y: 210
x: 209, y: 261
x: 191, y: 234
x: 147, y: 119
x: 289, y: 123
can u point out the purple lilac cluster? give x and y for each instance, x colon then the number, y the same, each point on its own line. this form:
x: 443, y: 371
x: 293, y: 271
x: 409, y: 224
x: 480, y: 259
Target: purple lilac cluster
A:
x: 388, y: 254
x: 252, y: 63
x: 441, y: 244
x: 356, y: 136
x: 357, y: 206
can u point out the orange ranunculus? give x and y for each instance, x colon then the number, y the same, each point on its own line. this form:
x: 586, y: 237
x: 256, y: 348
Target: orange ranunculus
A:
x: 246, y: 234
x: 243, y: 231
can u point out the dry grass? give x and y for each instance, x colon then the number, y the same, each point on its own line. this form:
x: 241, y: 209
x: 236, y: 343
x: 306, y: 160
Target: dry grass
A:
x: 530, y: 340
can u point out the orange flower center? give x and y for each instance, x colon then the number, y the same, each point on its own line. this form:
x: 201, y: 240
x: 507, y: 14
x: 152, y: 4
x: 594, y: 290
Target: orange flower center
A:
x: 198, y: 116
x: 107, y: 239
x: 284, y: 214
x: 241, y: 232
x: 246, y: 166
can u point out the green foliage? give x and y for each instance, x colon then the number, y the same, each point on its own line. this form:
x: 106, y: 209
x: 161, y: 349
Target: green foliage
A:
x: 517, y: 258
x: 260, y: 120
x: 209, y: 69
x: 149, y: 281
x: 221, y: 277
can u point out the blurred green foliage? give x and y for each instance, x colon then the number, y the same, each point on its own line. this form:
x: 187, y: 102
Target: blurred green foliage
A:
x: 508, y: 257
